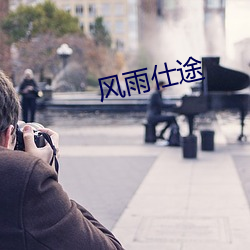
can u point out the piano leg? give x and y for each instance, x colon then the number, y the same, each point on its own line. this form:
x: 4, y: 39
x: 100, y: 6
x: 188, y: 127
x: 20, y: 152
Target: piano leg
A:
x: 190, y: 123
x: 241, y: 137
x: 243, y: 114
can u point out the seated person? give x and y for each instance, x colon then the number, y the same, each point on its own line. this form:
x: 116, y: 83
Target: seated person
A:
x: 154, y: 110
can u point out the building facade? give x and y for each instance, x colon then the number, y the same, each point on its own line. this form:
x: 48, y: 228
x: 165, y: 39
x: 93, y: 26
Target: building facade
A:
x: 120, y: 18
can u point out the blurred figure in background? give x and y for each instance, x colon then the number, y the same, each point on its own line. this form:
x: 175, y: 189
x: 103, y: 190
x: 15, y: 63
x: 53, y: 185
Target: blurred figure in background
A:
x: 29, y: 92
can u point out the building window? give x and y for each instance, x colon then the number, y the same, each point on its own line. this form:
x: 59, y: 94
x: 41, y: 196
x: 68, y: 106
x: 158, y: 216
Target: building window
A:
x: 119, y: 9
x: 82, y: 26
x: 214, y: 4
x: 170, y: 4
x: 91, y: 27
x: 105, y: 9
x: 119, y: 26
x: 119, y: 44
x: 92, y: 10
x: 79, y: 10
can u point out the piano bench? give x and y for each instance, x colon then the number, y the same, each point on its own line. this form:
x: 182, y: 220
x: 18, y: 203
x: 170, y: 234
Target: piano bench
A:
x: 150, y: 132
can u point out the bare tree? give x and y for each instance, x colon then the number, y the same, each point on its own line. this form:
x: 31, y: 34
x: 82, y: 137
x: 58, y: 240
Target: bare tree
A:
x: 40, y: 55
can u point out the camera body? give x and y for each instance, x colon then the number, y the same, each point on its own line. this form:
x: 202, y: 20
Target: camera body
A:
x: 38, y: 137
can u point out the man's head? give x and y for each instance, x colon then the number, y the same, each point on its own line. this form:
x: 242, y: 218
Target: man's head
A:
x: 9, y: 112
x: 28, y: 73
x: 161, y: 83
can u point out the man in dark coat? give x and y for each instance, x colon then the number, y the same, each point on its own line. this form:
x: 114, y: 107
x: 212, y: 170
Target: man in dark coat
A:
x: 35, y: 212
x: 29, y: 91
x: 154, y: 111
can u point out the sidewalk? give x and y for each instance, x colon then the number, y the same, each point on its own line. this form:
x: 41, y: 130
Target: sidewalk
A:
x: 185, y: 204
x: 175, y: 204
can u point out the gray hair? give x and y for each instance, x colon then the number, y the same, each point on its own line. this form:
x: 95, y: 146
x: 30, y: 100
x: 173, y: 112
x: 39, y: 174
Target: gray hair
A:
x: 29, y: 72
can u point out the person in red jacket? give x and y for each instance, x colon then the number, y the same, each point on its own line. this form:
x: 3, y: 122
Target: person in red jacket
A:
x: 35, y: 212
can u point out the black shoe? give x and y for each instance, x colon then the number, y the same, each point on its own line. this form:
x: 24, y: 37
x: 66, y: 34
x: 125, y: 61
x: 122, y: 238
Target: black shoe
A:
x: 160, y: 137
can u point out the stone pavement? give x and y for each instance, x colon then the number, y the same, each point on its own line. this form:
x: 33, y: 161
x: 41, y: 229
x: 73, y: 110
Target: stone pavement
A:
x: 184, y: 204
x: 189, y: 204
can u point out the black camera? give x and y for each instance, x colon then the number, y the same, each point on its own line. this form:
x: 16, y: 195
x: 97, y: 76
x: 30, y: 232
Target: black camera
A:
x: 38, y: 137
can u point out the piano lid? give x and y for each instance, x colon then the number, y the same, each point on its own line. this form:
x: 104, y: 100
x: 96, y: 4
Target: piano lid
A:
x: 218, y: 78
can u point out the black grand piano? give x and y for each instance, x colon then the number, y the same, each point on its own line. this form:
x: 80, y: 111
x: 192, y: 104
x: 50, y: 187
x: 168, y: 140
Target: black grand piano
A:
x: 219, y: 91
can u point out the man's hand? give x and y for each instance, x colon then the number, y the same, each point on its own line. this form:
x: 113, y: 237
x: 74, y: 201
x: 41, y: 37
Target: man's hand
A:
x: 28, y: 89
x: 45, y: 153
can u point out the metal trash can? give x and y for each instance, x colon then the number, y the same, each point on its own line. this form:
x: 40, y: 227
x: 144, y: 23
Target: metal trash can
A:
x: 150, y: 133
x: 207, y: 140
x: 189, y: 146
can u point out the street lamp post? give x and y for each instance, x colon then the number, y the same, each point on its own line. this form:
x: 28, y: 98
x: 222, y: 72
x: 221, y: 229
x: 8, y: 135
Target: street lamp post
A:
x: 64, y: 51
